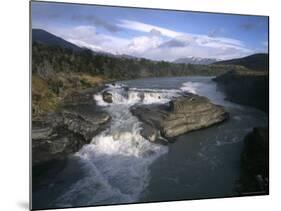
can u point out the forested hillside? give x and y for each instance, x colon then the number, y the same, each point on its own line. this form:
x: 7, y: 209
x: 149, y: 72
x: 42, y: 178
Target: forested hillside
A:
x: 59, y: 72
x: 47, y: 60
x: 255, y: 62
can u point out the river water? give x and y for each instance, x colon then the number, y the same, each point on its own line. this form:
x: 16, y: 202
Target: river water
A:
x: 120, y: 166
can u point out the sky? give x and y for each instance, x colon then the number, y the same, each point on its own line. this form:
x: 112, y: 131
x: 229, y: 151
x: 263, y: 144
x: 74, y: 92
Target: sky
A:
x: 153, y: 34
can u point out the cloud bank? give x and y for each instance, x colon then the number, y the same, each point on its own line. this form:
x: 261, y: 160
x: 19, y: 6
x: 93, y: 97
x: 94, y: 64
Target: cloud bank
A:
x: 155, y: 42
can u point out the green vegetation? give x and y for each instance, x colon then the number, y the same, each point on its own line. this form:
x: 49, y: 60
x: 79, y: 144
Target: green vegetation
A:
x: 57, y: 72
x: 43, y: 99
x: 48, y: 60
x: 256, y: 62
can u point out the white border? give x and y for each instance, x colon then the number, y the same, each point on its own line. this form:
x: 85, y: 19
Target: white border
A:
x: 14, y: 185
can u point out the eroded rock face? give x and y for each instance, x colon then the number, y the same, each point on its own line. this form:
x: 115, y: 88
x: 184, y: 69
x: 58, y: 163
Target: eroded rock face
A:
x: 250, y: 89
x: 181, y: 115
x: 65, y: 132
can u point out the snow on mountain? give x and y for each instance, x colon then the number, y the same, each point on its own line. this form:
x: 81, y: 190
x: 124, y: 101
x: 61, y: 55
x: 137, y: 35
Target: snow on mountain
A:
x: 196, y: 60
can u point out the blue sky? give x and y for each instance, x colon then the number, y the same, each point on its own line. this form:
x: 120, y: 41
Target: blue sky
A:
x: 153, y: 34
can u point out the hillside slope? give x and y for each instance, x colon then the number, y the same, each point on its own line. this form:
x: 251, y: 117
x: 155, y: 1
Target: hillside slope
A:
x: 257, y: 62
x: 44, y: 37
x: 195, y: 60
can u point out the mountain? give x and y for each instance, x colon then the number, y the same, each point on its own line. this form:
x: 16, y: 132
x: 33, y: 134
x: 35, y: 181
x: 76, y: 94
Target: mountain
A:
x: 195, y: 60
x: 257, y: 62
x: 44, y: 37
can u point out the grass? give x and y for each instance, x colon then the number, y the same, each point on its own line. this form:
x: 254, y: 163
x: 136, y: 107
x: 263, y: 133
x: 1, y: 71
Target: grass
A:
x: 44, y: 100
x: 87, y: 80
x: 48, y: 94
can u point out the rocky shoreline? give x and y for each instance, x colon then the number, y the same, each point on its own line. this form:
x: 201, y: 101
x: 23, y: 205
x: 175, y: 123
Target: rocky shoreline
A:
x: 247, y: 88
x: 65, y: 131
x: 79, y: 119
x: 254, y: 177
x: 251, y: 88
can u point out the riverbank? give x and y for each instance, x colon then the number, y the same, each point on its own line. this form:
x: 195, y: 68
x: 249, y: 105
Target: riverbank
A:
x: 121, y: 166
x: 79, y: 118
x: 254, y: 177
x: 51, y: 92
x: 64, y: 114
x: 251, y: 88
x: 246, y: 87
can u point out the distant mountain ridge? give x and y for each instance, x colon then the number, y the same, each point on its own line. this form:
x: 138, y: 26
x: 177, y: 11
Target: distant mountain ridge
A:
x: 195, y: 60
x: 44, y: 37
x: 257, y: 62
x: 47, y: 38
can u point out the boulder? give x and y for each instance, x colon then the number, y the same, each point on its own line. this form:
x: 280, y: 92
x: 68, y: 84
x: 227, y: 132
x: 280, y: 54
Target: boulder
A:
x: 107, y: 97
x: 149, y: 132
x: 255, y: 162
x: 181, y: 115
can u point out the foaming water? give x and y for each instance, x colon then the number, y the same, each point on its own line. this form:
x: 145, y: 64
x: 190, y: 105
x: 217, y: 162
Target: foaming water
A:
x: 117, y: 160
x: 120, y: 166
x: 130, y: 96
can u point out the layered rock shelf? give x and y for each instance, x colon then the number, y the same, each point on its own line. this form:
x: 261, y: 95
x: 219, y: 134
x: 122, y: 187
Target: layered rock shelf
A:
x: 181, y: 115
x: 65, y: 132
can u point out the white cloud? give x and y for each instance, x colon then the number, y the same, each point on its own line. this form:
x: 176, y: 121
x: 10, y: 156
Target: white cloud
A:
x: 86, y: 36
x: 158, y: 43
x: 85, y: 44
x: 80, y: 32
x: 180, y: 44
x: 139, y: 46
x: 173, y: 53
x: 143, y: 27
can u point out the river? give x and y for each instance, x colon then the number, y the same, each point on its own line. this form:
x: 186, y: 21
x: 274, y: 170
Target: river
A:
x: 120, y: 166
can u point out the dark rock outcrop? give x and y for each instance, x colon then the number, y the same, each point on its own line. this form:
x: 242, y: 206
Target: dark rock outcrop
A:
x: 250, y: 88
x: 107, y: 97
x: 65, y: 132
x: 255, y: 162
x: 181, y: 115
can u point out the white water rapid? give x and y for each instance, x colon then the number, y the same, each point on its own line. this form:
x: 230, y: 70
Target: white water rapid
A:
x: 117, y: 160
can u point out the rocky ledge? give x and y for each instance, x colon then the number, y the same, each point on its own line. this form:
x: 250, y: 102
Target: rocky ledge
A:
x: 247, y: 87
x: 255, y: 163
x: 181, y: 115
x: 62, y: 133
